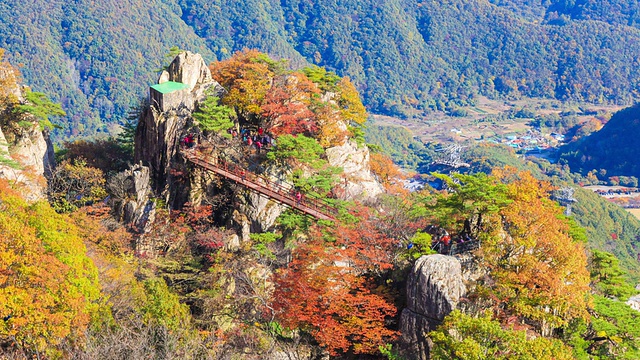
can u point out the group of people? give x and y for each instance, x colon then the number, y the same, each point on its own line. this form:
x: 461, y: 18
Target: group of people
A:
x: 259, y: 139
x: 442, y: 241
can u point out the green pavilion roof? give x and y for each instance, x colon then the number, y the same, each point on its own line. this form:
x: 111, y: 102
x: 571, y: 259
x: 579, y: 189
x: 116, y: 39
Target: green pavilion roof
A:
x: 169, y: 86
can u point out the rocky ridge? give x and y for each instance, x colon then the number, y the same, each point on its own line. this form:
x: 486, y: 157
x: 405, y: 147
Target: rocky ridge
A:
x: 359, y: 182
x: 158, y: 142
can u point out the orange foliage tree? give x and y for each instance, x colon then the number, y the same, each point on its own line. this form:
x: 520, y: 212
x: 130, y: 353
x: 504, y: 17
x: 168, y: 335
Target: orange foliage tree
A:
x: 247, y: 76
x: 539, y: 270
x: 361, y: 241
x: 286, y: 106
x: 340, y: 309
x: 332, y: 130
x: 385, y: 170
x: 325, y: 290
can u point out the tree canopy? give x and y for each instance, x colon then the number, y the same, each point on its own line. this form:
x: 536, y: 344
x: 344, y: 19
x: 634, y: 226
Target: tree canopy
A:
x: 49, y: 290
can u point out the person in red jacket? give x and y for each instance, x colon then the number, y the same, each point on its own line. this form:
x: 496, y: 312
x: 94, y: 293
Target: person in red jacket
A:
x: 446, y: 240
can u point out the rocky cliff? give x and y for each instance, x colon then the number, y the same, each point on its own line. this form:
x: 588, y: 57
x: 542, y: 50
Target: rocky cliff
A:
x: 158, y: 134
x: 359, y: 182
x: 26, y: 153
x: 434, y: 288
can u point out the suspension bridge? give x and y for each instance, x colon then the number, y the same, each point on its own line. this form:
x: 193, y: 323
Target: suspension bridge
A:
x: 282, y: 194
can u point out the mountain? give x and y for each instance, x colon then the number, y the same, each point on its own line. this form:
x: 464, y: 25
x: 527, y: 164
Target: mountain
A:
x: 407, y: 57
x: 94, y: 57
x: 193, y: 254
x: 612, y: 151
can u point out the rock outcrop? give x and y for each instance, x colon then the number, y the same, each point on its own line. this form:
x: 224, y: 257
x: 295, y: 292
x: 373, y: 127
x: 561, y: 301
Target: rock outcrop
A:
x: 261, y: 211
x: 434, y: 288
x: 131, y: 197
x: 26, y: 154
x: 359, y: 182
x: 27, y: 159
x: 188, y: 68
x: 634, y: 301
x: 159, y: 132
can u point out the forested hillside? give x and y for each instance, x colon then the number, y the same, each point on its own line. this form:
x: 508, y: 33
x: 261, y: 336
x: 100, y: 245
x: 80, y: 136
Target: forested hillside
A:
x: 407, y: 57
x: 95, y: 57
x: 623, y: 12
x: 611, y: 151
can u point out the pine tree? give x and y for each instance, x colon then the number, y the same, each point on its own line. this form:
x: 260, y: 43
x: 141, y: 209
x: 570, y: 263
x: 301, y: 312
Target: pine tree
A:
x: 213, y: 117
x: 40, y: 106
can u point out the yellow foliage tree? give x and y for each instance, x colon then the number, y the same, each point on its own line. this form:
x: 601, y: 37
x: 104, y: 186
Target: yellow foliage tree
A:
x: 332, y: 130
x: 341, y: 115
x: 351, y: 107
x: 9, y: 77
x: 539, y: 271
x: 247, y: 77
x: 49, y: 288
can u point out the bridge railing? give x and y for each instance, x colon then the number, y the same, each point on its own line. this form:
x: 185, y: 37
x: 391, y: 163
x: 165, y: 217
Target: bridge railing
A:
x: 279, y: 188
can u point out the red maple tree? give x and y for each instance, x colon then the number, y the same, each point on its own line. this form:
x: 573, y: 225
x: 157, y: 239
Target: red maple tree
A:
x: 286, y: 107
x: 343, y: 311
x: 327, y: 290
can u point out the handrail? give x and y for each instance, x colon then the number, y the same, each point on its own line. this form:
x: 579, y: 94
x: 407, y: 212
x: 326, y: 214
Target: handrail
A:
x: 312, y: 206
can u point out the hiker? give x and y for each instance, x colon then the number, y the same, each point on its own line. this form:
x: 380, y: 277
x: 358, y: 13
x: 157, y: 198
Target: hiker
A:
x: 298, y: 197
x: 260, y: 131
x: 258, y: 146
x: 188, y: 141
x: 446, y: 240
x: 467, y: 226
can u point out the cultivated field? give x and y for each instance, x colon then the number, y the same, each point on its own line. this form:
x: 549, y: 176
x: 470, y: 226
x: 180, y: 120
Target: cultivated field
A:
x: 486, y: 120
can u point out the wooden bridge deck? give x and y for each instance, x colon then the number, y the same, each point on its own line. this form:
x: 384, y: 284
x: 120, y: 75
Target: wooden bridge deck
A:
x: 313, y: 207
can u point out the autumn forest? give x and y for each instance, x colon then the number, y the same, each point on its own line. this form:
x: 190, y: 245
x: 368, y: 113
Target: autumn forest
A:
x: 157, y: 161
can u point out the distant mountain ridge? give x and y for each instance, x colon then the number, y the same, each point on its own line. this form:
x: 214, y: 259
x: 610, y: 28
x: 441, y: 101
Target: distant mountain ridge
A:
x: 612, y: 151
x: 408, y: 57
